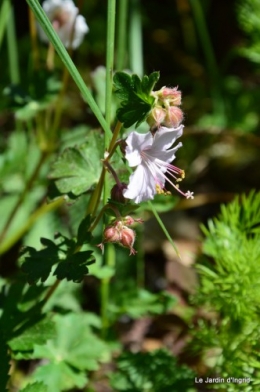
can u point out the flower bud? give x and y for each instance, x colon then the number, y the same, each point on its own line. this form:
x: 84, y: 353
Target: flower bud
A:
x: 172, y: 95
x: 128, y: 239
x: 156, y: 117
x: 116, y: 193
x: 173, y: 117
x: 111, y: 234
x: 122, y: 146
x: 128, y: 220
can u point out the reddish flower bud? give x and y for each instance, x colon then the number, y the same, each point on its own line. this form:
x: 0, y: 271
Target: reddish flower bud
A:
x: 111, y: 234
x: 172, y: 95
x: 116, y: 193
x: 128, y: 220
x: 128, y: 239
x: 156, y: 116
x: 173, y: 117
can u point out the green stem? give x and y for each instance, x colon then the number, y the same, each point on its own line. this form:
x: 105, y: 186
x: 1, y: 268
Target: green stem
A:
x: 44, y: 209
x: 12, y: 49
x: 95, y: 197
x: 163, y: 227
x: 109, y: 254
x: 122, y: 34
x: 136, y: 40
x: 110, y: 45
x: 211, y: 62
x: 27, y: 188
x: 4, y: 17
x: 34, y: 41
x: 65, y: 58
x: 140, y: 267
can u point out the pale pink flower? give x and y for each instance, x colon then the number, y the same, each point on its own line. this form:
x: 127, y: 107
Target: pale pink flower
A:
x: 64, y: 17
x: 152, y: 156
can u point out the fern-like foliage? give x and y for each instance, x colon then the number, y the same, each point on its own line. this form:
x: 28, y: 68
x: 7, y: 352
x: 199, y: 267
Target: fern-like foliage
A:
x: 230, y: 290
x: 248, y: 12
x: 155, y: 371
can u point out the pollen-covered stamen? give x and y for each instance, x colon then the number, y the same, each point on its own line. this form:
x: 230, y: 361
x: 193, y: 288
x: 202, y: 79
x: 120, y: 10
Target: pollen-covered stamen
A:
x: 155, y: 168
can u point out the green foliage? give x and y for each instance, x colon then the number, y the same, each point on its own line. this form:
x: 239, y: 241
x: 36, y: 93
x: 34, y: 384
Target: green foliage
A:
x: 230, y: 281
x: 77, y: 169
x: 23, y: 344
x: 248, y: 12
x: 72, y: 265
x: 35, y: 387
x: 155, y: 371
x: 135, y: 96
x: 233, y: 241
x: 21, y: 325
x: 5, y: 361
x: 33, y: 95
x: 74, y: 350
x: 137, y: 303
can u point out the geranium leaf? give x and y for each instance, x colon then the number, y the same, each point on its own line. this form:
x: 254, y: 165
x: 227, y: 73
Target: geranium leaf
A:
x: 72, y: 265
x: 83, y: 235
x: 74, y: 350
x: 35, y: 387
x: 38, y: 333
x: 75, y: 266
x: 77, y: 169
x: 135, y: 96
x: 59, y: 377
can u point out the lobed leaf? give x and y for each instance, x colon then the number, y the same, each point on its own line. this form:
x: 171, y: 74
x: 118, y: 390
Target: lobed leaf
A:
x: 75, y: 266
x: 135, y: 96
x: 35, y: 387
x: 77, y: 169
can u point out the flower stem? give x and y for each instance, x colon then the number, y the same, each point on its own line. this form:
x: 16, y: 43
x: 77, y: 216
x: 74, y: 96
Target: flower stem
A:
x: 33, y: 35
x: 4, y: 17
x: 122, y: 34
x: 211, y: 62
x: 12, y: 49
x: 163, y: 227
x: 136, y: 40
x: 109, y: 254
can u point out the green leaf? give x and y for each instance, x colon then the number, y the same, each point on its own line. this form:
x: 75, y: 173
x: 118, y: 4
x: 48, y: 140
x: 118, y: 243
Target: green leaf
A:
x: 37, y: 264
x: 135, y: 96
x: 72, y: 265
x: 75, y: 266
x: 74, y: 350
x: 36, y: 334
x: 77, y: 169
x: 83, y: 235
x: 139, y: 303
x: 35, y: 387
x: 59, y: 377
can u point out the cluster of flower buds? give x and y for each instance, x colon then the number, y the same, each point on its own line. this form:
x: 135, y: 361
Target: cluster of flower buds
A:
x: 166, y: 111
x: 120, y: 233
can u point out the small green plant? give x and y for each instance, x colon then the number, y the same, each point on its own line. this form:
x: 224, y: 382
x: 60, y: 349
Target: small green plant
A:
x: 229, y: 293
x: 155, y: 371
x: 249, y: 19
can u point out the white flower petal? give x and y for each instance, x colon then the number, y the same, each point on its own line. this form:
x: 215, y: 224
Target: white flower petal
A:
x: 165, y: 137
x: 152, y: 156
x: 141, y: 185
x: 136, y: 142
x: 68, y: 12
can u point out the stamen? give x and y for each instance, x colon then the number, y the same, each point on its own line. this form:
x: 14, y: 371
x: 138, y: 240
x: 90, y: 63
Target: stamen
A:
x: 189, y: 195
